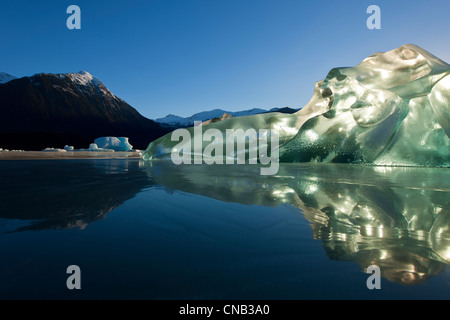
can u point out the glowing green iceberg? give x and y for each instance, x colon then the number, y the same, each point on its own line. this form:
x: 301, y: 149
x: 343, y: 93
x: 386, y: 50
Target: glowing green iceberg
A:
x: 391, y: 109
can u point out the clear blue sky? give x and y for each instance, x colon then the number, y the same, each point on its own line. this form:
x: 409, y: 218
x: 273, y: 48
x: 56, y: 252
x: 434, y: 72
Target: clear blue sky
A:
x: 186, y: 56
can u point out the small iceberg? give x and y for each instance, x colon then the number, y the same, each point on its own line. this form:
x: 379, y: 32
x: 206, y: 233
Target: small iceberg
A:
x: 114, y: 143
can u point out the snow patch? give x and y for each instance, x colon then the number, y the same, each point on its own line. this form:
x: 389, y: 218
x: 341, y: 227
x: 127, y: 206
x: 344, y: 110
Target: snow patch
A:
x: 53, y: 150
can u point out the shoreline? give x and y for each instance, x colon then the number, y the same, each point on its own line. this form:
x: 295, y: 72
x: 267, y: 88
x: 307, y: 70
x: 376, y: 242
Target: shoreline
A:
x: 49, y: 155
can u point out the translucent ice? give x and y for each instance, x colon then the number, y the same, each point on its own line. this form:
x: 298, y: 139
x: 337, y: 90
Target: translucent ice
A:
x: 391, y: 109
x: 114, y: 143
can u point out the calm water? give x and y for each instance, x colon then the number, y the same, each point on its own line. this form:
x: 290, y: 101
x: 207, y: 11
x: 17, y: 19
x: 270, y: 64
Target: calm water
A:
x: 158, y: 231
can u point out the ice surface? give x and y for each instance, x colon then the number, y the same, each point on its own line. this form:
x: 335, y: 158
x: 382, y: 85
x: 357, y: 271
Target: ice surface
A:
x: 391, y: 109
x: 114, y: 143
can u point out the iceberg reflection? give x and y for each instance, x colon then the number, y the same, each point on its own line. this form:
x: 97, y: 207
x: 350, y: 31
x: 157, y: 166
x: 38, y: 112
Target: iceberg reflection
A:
x: 396, y: 218
x: 393, y: 217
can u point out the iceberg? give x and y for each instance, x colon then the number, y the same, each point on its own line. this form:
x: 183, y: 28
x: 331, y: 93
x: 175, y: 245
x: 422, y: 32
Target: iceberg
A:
x: 93, y: 147
x: 393, y: 109
x: 114, y: 143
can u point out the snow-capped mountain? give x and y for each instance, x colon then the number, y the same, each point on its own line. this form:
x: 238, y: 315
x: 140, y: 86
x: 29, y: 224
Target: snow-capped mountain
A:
x: 84, y: 82
x: 6, y: 77
x: 73, y: 108
x: 177, y: 121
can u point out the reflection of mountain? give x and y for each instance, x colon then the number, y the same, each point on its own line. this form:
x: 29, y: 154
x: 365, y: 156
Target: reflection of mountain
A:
x: 72, y: 195
x: 396, y: 218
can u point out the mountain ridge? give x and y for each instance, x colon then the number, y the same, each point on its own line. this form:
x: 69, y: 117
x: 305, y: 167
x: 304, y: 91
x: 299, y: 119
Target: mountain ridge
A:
x: 172, y: 120
x: 6, y: 77
x: 49, y: 109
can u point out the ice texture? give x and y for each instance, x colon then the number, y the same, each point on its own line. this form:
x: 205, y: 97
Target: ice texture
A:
x: 392, y: 109
x: 114, y: 143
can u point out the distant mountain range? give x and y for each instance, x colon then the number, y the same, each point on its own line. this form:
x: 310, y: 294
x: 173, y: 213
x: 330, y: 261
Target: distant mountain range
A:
x: 5, y: 77
x: 177, y: 121
x: 53, y: 110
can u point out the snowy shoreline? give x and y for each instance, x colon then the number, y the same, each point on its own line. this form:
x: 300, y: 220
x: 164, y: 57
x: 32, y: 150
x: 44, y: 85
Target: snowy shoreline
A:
x: 43, y: 155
